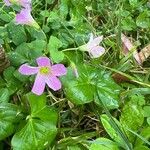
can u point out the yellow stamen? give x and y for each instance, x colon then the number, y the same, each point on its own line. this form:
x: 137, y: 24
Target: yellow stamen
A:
x: 45, y: 70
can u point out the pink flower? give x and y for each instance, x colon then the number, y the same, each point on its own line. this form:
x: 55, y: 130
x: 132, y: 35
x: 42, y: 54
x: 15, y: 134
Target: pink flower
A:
x: 24, y: 17
x: 46, y: 74
x: 93, y: 47
x: 23, y: 3
x: 7, y: 2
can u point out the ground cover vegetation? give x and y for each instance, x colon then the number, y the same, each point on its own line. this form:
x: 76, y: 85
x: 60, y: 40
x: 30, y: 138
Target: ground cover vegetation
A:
x: 75, y: 74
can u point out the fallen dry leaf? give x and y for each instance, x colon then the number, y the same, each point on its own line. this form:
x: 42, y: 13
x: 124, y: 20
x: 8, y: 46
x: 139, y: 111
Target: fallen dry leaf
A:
x: 4, y: 62
x: 120, y: 78
x: 128, y: 46
x: 144, y: 53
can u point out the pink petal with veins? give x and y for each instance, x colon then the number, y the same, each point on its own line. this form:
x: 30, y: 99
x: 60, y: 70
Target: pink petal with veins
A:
x: 58, y: 70
x: 24, y: 17
x: 97, y: 51
x: 44, y: 77
x: 94, y: 41
x: 43, y: 61
x: 25, y: 3
x: 53, y: 82
x: 28, y: 70
x: 7, y: 2
x: 39, y: 84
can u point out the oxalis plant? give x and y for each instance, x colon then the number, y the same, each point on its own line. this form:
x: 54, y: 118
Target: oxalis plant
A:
x: 70, y: 78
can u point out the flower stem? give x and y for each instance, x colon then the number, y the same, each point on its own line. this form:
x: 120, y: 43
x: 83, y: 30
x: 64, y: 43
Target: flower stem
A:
x: 70, y: 49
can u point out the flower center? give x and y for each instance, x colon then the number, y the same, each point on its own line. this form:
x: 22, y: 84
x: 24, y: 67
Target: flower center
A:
x: 45, y: 70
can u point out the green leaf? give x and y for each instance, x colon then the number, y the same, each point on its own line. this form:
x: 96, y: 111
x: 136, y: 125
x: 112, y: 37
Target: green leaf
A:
x: 40, y: 129
x: 133, y: 3
x: 8, y: 73
x: 54, y: 16
x: 36, y: 34
x: 36, y: 102
x: 64, y: 7
x: 74, y: 147
x: 40, y: 109
x: 148, y: 120
x: 20, y: 77
x: 132, y: 115
x: 8, y: 119
x: 133, y: 91
x: 128, y: 23
x: 83, y: 89
x: 4, y: 95
x: 141, y: 147
x: 27, y: 52
x: 16, y: 33
x: 146, y: 111
x: 143, y: 20
x: 6, y: 17
x: 77, y: 140
x: 2, y: 82
x: 53, y: 46
x: 65, y: 38
x: 104, y: 144
x: 50, y: 1
x: 11, y: 82
x: 44, y: 13
x: 145, y: 134
x: 36, y: 134
x: 74, y: 56
x: 3, y: 34
x: 37, y: 45
x: 110, y: 130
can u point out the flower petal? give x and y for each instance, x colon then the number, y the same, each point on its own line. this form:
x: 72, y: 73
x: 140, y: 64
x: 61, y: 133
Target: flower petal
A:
x: 28, y: 70
x: 58, y: 70
x: 94, y: 42
x: 24, y: 17
x: 43, y: 61
x: 39, y: 84
x: 97, y: 51
x: 53, y: 82
x: 7, y: 2
x: 91, y: 37
x: 25, y: 3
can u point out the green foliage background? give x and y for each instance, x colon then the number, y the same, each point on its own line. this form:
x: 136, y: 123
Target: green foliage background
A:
x: 91, y: 112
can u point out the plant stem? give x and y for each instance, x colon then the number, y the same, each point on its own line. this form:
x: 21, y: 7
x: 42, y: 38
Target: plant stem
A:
x: 70, y: 49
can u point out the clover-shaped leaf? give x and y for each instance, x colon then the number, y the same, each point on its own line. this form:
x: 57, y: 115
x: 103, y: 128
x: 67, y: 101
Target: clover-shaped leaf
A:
x: 83, y: 89
x: 40, y: 129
